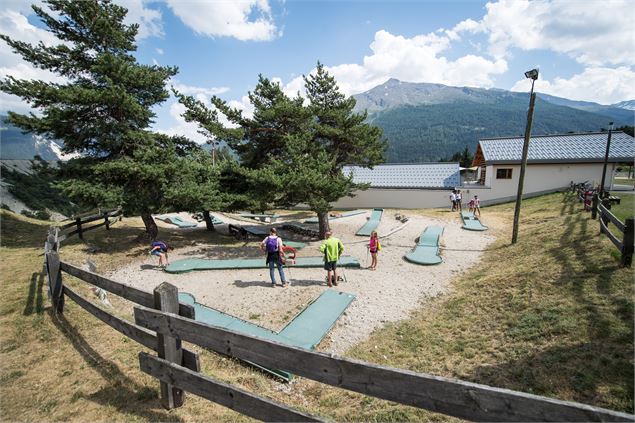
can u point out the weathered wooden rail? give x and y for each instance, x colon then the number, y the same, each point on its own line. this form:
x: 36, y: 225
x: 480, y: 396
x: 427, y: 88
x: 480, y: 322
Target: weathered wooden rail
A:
x: 79, y: 222
x: 162, y: 323
x: 626, y: 229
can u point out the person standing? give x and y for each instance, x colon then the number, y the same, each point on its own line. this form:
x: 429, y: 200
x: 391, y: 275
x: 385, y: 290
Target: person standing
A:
x: 477, y: 206
x: 374, y: 247
x: 453, y: 200
x: 332, y: 248
x: 459, y: 200
x: 273, y: 246
x: 160, y: 249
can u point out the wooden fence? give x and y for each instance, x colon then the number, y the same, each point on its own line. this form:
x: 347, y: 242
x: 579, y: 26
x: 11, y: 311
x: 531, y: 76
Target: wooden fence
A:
x: 626, y: 229
x: 79, y: 222
x: 161, y: 323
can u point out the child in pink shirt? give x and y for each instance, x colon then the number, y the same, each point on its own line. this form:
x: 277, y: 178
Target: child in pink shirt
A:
x: 374, y: 246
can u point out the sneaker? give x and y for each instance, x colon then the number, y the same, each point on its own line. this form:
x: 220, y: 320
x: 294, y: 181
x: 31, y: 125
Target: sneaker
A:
x: 273, y: 285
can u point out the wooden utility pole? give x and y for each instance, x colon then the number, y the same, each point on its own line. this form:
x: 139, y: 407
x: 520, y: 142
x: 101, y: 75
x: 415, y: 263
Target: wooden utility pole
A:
x: 533, y: 74
x: 606, y: 159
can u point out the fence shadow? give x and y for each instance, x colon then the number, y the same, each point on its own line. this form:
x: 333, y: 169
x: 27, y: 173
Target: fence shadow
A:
x: 35, y: 300
x: 122, y: 392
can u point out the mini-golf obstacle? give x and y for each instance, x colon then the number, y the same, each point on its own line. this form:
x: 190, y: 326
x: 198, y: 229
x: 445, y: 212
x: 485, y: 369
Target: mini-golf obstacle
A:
x: 426, y: 251
x: 471, y: 222
x: 306, y: 330
x: 372, y: 223
x: 188, y: 265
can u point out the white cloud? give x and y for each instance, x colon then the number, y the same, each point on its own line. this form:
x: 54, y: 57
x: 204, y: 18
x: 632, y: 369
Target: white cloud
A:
x: 149, y: 20
x: 190, y: 129
x: 159, y: 50
x: 602, y: 85
x: 197, y: 91
x: 416, y: 59
x: 592, y: 32
x: 227, y: 18
x: 15, y: 25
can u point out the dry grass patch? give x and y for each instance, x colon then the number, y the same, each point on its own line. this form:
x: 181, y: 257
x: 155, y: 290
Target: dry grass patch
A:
x: 551, y: 315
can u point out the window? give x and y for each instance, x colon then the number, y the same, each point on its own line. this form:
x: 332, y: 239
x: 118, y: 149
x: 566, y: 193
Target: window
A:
x: 503, y: 173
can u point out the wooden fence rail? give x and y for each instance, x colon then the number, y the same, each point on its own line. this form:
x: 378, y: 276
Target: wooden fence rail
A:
x: 452, y: 397
x: 79, y: 223
x: 627, y: 230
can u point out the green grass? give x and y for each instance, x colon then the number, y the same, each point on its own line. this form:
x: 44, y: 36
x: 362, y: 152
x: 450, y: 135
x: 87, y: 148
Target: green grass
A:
x: 551, y: 315
x: 626, y: 208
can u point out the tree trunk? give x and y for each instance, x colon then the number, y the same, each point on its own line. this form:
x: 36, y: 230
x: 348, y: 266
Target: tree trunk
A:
x: 208, y: 220
x: 323, y: 220
x: 151, y: 227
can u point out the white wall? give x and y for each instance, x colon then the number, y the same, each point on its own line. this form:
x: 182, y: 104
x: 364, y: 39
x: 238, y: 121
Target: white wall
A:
x: 539, y: 179
x: 395, y: 198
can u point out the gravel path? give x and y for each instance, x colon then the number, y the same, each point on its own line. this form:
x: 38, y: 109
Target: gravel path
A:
x: 388, y: 294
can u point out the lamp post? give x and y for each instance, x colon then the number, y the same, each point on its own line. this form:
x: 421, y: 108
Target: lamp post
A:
x: 606, y: 159
x: 533, y: 75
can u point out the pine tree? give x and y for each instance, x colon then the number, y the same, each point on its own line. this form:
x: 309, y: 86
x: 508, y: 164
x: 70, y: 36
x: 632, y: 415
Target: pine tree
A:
x: 339, y: 137
x: 104, y: 107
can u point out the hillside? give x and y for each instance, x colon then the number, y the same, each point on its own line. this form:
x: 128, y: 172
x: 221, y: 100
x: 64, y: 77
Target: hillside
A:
x: 429, y: 122
x: 15, y: 145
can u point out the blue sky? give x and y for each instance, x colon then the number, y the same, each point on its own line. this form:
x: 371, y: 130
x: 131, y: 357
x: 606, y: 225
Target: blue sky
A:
x: 584, y: 48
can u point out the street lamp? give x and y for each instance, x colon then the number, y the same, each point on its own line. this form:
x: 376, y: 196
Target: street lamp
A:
x: 533, y: 75
x: 606, y: 159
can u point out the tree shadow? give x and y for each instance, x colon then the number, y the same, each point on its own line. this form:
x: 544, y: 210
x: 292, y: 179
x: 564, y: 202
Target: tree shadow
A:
x: 578, y: 239
x: 35, y: 300
x: 567, y: 370
x: 122, y: 392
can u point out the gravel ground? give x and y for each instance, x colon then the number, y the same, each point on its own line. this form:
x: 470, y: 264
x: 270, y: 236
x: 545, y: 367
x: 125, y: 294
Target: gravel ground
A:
x: 388, y: 294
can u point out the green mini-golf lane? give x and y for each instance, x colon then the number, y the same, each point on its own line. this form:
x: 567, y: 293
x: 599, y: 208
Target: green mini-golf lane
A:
x: 187, y: 265
x: 471, y: 222
x: 371, y: 224
x: 306, y: 330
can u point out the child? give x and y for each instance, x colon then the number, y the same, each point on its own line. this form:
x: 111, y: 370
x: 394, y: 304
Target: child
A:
x: 374, y: 247
x: 273, y: 246
x: 459, y: 200
x: 160, y: 249
x: 470, y: 205
x: 477, y: 206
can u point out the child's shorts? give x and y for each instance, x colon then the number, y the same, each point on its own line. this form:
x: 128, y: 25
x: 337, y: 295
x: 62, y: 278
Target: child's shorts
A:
x: 330, y: 265
x: 157, y: 253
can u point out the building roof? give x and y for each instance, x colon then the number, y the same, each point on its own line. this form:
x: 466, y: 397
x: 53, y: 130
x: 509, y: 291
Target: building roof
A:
x: 565, y: 148
x: 428, y: 175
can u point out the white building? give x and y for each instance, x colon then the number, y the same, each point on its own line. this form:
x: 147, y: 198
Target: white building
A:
x: 553, y: 162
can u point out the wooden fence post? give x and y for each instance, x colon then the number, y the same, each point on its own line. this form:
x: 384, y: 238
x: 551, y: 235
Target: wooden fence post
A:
x: 78, y: 222
x: 166, y: 298
x: 56, y: 288
x: 594, y: 205
x: 627, y: 242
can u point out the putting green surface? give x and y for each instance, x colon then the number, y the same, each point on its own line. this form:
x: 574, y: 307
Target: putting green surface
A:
x: 187, y: 265
x: 372, y: 223
x: 471, y: 222
x: 306, y: 330
x: 427, y: 249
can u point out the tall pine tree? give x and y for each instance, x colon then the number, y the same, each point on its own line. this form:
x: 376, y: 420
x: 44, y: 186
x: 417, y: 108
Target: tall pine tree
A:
x: 103, y: 109
x: 341, y: 137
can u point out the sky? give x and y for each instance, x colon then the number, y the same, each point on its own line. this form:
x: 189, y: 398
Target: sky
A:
x: 585, y: 49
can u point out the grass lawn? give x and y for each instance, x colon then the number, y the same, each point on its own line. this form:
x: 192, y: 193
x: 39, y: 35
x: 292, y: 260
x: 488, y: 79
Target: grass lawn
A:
x: 551, y: 315
x: 626, y: 208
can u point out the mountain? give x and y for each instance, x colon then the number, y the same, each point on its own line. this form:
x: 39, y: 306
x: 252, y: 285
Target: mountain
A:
x: 429, y: 122
x: 14, y: 145
x: 628, y: 105
x: 618, y: 114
